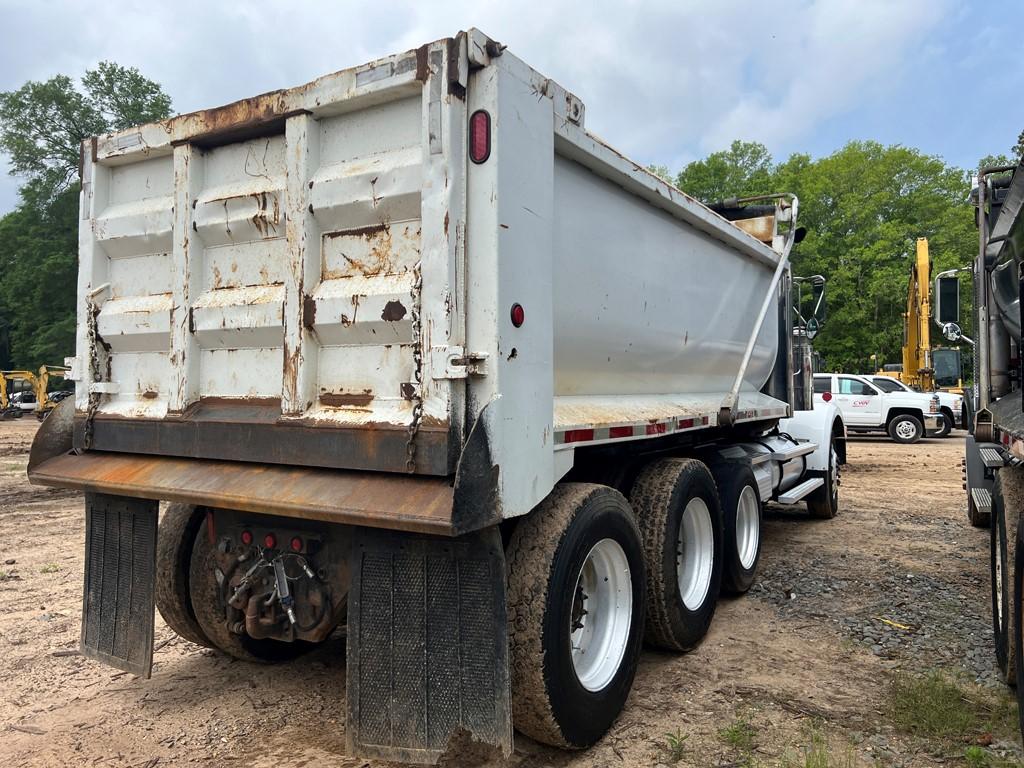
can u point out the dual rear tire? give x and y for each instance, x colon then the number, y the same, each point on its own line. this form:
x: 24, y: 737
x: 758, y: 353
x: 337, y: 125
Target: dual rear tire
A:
x: 585, y: 567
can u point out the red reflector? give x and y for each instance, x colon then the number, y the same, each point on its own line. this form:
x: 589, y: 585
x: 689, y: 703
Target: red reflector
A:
x: 826, y: 396
x: 656, y: 429
x: 518, y: 315
x: 270, y: 541
x: 296, y: 544
x: 620, y: 432
x: 479, y: 136
x: 687, y: 423
x: 578, y: 435
x: 247, y: 537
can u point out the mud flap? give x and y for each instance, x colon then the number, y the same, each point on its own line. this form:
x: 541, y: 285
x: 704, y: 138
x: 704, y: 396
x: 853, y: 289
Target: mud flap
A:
x: 120, y: 567
x: 427, y: 645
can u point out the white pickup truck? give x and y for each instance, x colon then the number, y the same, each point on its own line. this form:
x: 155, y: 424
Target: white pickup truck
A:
x: 951, y: 405
x: 905, y: 415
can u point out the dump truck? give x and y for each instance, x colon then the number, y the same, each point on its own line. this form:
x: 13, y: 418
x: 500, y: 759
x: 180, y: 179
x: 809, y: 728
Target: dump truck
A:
x: 993, y: 468
x: 408, y: 351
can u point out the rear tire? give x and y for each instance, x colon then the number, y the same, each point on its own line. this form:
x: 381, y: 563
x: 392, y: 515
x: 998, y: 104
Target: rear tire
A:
x: 175, y: 540
x: 741, y: 522
x: 945, y: 425
x: 208, y: 603
x: 906, y: 429
x: 1006, y: 506
x: 680, y: 518
x: 1018, y: 622
x: 575, y: 583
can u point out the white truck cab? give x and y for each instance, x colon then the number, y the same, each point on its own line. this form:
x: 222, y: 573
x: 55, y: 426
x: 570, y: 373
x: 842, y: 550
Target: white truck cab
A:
x: 905, y: 415
x: 951, y: 405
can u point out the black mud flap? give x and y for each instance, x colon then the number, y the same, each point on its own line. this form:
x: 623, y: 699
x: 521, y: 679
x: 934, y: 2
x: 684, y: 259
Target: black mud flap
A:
x: 120, y: 568
x: 427, y: 645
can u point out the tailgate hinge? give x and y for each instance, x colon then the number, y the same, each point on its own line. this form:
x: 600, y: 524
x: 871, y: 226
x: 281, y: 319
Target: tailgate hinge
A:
x: 453, y: 362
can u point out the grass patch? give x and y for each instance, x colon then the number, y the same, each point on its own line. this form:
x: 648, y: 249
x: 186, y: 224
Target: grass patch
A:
x: 50, y: 568
x: 819, y: 752
x: 675, y: 745
x: 947, y: 713
x: 4, y: 575
x: 739, y: 735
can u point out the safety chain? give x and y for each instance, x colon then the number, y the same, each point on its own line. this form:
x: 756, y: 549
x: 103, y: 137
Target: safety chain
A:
x: 417, y: 359
x: 92, y: 310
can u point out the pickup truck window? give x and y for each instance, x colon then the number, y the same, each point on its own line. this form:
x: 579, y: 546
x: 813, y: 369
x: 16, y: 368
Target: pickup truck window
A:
x: 849, y: 386
x: 887, y: 384
x: 822, y: 384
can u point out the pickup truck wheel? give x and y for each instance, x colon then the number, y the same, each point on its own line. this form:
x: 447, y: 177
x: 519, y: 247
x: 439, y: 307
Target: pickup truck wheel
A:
x: 945, y: 425
x: 905, y: 429
x: 1007, y: 499
x: 680, y: 518
x: 208, y: 603
x: 823, y: 503
x: 575, y: 612
x: 741, y: 522
x: 174, y: 542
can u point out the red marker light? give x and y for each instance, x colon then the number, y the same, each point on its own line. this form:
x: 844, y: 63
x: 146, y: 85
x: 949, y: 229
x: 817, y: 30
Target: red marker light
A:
x: 518, y: 315
x: 296, y: 544
x: 247, y: 537
x: 479, y: 136
x: 826, y: 396
x: 270, y: 541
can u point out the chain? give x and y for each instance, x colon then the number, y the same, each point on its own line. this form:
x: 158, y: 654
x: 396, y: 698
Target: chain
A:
x: 417, y: 359
x: 92, y: 311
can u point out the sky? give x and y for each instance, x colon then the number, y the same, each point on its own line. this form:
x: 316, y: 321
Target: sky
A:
x: 664, y: 82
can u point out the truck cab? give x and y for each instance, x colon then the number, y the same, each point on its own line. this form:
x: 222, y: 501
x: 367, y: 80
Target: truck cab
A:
x: 906, y: 416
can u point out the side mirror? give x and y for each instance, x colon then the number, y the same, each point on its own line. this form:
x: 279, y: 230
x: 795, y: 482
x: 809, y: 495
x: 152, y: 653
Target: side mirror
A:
x: 947, y: 300
x: 820, y: 306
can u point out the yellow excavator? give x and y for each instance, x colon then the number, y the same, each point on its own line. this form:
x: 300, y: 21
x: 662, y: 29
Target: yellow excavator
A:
x: 924, y: 368
x: 39, y: 382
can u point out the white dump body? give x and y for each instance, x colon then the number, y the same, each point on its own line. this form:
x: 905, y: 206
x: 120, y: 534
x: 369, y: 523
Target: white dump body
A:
x: 329, y: 258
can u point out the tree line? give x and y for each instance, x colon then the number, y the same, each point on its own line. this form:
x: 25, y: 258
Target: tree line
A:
x: 864, y: 207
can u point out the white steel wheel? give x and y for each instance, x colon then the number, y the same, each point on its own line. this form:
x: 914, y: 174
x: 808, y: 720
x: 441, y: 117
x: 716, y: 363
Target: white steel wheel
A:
x: 748, y: 526
x: 602, y: 612
x: 695, y: 558
x: 905, y: 430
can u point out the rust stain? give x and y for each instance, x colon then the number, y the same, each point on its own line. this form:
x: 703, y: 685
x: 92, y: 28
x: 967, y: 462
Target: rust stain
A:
x: 422, y: 70
x: 346, y: 399
x: 393, y: 312
x: 408, y: 390
x: 150, y: 395
x: 308, y: 311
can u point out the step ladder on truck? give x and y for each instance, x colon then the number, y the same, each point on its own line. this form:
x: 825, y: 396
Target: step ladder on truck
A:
x: 408, y: 349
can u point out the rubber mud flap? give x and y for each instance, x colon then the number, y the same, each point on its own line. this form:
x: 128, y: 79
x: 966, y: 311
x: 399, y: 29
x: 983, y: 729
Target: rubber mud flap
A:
x: 120, y: 575
x: 427, y: 645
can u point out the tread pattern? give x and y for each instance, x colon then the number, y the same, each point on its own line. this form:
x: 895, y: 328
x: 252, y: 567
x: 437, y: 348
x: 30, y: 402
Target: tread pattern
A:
x: 1010, y: 490
x: 651, y: 498
x: 175, y: 536
x: 530, y: 555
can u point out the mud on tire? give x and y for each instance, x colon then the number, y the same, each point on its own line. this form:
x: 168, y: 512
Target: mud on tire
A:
x: 175, y: 538
x: 547, y: 560
x: 664, y: 493
x: 1007, y: 501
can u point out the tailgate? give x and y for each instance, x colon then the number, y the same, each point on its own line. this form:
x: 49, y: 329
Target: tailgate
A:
x: 277, y: 280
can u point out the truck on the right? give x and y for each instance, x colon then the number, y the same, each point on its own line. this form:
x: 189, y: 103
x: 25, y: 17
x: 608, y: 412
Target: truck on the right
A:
x: 994, y: 454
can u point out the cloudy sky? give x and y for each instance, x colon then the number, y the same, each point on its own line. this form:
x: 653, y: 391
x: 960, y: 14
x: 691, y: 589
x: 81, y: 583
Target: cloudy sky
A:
x: 664, y: 81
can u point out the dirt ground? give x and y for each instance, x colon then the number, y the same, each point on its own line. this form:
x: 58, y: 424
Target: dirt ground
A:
x: 897, y: 582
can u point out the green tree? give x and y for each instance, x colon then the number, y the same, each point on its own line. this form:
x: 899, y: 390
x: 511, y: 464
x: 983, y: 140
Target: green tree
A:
x: 42, y: 126
x: 743, y: 169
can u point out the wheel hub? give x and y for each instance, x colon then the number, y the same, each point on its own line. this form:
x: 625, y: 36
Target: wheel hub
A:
x: 748, y: 527
x: 601, y: 615
x: 695, y: 553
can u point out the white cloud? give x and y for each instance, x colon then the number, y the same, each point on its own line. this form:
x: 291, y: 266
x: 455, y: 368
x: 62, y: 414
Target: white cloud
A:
x: 663, y: 81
